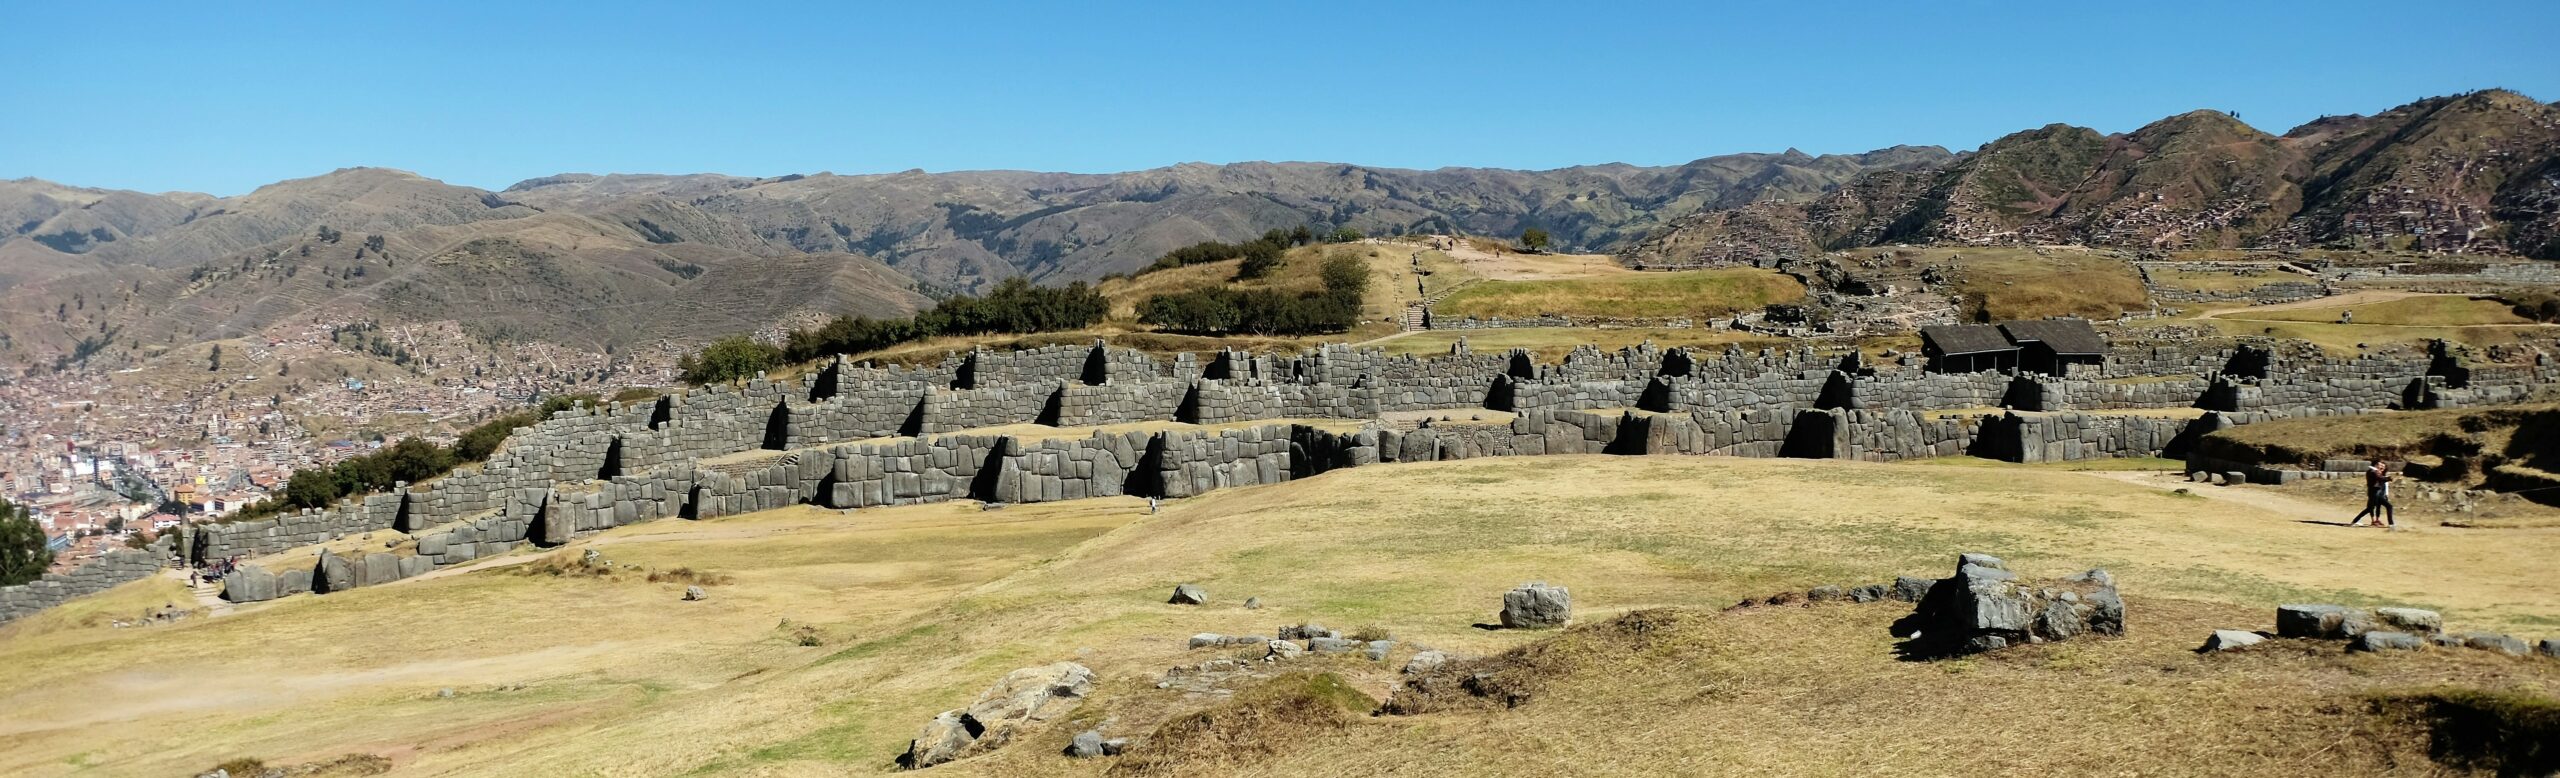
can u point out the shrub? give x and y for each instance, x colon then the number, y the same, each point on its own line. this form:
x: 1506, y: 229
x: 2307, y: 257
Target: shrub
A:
x: 23, y: 553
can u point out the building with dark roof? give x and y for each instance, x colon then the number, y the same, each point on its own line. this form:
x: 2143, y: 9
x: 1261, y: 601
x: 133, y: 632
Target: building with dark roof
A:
x: 2056, y: 346
x: 1967, y: 348
x: 2049, y: 346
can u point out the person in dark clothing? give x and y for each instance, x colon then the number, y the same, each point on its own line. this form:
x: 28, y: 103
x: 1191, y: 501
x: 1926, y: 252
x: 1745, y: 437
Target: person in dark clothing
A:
x: 2377, y: 497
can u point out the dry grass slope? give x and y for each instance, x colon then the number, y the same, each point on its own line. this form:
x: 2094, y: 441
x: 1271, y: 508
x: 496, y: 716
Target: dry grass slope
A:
x: 918, y: 608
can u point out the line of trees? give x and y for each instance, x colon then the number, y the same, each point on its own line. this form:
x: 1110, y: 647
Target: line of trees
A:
x: 1014, y: 306
x: 412, y: 460
x: 23, y: 553
x: 1222, y: 310
x: 1261, y: 255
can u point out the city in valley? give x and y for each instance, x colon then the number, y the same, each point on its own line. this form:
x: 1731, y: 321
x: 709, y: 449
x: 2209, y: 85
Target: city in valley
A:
x: 1423, y: 389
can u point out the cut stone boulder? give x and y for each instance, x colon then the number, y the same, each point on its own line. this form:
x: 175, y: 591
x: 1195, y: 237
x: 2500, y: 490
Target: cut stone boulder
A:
x: 1024, y: 698
x: 1189, y: 594
x: 2385, y: 640
x: 2549, y: 647
x: 2322, y: 622
x: 692, y: 593
x: 2509, y: 645
x: 2230, y: 640
x: 1535, y: 605
x: 1984, y: 607
x: 1427, y: 661
x: 249, y: 583
x: 1281, y: 649
x: 2411, y: 620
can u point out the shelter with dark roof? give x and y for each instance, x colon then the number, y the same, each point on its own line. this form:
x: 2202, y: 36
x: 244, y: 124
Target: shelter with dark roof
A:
x: 2056, y: 346
x: 1967, y: 348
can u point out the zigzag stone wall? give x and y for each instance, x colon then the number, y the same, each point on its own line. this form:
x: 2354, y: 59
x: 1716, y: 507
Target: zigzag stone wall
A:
x: 851, y: 436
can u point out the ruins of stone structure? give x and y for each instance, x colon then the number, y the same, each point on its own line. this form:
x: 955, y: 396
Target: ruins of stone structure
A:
x: 1985, y: 607
x: 850, y: 436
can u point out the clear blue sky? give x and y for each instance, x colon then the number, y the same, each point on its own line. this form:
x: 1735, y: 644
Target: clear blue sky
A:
x: 223, y: 97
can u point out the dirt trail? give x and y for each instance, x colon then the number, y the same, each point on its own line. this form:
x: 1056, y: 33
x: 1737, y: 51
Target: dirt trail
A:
x: 2259, y: 499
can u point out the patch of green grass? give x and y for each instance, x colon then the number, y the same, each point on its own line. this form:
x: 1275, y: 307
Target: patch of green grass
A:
x: 2446, y: 310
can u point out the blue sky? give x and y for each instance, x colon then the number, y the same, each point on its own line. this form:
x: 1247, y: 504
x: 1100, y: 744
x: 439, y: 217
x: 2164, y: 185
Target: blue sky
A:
x: 223, y: 97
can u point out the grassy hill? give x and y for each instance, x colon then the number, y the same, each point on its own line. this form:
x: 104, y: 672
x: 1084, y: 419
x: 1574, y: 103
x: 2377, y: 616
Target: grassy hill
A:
x: 837, y: 636
x: 1696, y: 294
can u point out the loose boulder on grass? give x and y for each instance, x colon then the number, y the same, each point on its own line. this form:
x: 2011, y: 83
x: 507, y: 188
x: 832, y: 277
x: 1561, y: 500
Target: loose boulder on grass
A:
x: 2230, y: 640
x: 1189, y: 594
x: 1535, y: 605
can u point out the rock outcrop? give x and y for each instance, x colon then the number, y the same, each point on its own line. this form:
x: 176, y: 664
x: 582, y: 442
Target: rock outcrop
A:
x: 1025, y: 698
x: 1984, y: 607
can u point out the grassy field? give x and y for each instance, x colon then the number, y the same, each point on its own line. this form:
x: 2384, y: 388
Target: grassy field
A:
x: 2222, y: 280
x: 2020, y: 283
x: 915, y: 609
x: 1696, y: 294
x: 2421, y: 311
x: 1550, y: 344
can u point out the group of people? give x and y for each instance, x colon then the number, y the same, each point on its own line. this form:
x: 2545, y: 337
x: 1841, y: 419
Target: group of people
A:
x: 213, y: 571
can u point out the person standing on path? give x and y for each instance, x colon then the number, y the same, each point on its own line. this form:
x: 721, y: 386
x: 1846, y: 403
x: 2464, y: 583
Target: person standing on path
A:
x: 2377, y: 497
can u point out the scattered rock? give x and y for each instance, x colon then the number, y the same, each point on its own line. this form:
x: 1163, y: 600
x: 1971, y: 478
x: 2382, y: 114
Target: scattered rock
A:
x: 1189, y: 594
x: 1087, y: 744
x: 1910, y: 588
x: 1253, y: 603
x: 1378, y: 650
x: 1282, y: 649
x: 1826, y: 594
x: 1535, y: 605
x: 2509, y: 645
x: 2411, y: 620
x: 1427, y: 661
x: 2385, y: 640
x: 2549, y: 647
x: 1115, y: 746
x: 2328, y: 622
x: 1868, y: 593
x: 2230, y: 640
x: 1208, y: 639
x: 1031, y: 695
x: 1332, y: 645
x: 694, y: 593
x: 1307, y: 631
x: 444, y: 694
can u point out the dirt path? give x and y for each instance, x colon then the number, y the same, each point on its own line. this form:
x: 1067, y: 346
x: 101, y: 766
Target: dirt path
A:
x: 207, y: 596
x: 2258, y: 499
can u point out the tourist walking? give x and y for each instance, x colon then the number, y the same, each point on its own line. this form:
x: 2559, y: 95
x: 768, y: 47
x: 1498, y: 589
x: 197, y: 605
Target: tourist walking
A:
x: 2377, y: 497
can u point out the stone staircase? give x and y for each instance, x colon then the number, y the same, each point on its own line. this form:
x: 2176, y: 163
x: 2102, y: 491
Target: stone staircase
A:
x: 1417, y: 315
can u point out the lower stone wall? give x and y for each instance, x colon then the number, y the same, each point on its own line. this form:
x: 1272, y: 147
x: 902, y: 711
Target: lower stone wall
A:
x: 117, y: 566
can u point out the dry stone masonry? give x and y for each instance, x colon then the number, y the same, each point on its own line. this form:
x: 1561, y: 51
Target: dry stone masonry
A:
x: 853, y: 436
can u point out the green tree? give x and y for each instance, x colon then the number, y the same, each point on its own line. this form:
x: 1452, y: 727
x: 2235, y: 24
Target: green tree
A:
x: 1347, y: 235
x: 217, y: 358
x: 1534, y: 238
x: 23, y: 554
x: 729, y: 359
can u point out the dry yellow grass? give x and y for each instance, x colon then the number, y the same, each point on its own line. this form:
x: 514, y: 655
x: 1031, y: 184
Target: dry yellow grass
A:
x: 920, y: 607
x: 2435, y: 310
x: 1696, y: 294
x: 1550, y: 344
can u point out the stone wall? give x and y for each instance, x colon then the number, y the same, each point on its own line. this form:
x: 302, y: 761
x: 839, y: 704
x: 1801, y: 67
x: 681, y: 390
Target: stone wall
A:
x: 850, y: 436
x: 117, y: 566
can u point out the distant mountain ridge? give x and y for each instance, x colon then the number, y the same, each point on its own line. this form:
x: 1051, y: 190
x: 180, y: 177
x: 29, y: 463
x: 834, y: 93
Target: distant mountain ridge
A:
x: 2477, y: 172
x: 619, y: 258
x: 605, y: 259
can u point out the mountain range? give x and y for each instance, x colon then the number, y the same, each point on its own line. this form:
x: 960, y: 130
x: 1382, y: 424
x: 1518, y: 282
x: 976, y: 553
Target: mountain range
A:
x: 2476, y: 172
x: 602, y: 260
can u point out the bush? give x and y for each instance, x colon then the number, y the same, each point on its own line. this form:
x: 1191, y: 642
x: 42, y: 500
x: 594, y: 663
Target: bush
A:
x: 2538, y: 305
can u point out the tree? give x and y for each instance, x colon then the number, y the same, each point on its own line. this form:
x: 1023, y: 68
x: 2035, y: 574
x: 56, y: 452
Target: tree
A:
x: 1534, y: 239
x: 174, y: 507
x: 217, y: 358
x: 23, y: 553
x: 729, y: 359
x: 115, y: 525
x: 1347, y: 235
